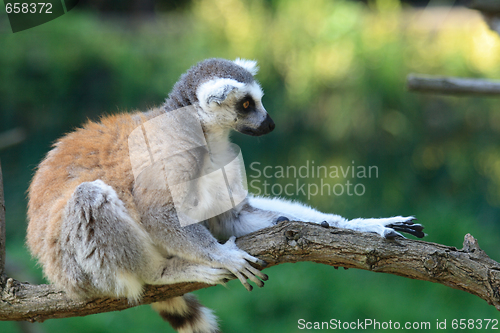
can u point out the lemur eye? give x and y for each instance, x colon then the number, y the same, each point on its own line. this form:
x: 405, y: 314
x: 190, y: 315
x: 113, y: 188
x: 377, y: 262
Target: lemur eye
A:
x: 246, y: 104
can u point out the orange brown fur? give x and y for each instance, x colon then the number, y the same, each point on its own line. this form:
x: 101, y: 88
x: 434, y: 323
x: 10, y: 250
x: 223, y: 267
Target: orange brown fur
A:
x: 99, y: 150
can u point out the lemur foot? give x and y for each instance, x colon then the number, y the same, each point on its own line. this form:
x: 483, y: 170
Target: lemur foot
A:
x: 409, y: 227
x: 238, y: 263
x: 388, y: 227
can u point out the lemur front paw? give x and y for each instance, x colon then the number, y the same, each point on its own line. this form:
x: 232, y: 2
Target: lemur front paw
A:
x: 211, y: 275
x: 238, y: 262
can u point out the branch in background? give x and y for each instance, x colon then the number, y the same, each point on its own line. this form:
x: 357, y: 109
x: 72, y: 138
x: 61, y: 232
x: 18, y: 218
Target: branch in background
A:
x: 460, y: 86
x: 2, y: 226
x: 490, y: 10
x: 12, y: 137
x: 468, y: 269
x: 452, y: 85
x: 489, y: 6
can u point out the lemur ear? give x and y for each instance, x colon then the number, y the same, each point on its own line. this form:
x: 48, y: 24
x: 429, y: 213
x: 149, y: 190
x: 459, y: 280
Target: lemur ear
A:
x: 249, y: 65
x: 216, y: 90
x: 220, y: 94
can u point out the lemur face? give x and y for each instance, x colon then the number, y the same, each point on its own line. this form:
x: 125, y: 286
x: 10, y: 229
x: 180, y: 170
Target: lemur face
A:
x: 227, y: 103
x: 249, y: 114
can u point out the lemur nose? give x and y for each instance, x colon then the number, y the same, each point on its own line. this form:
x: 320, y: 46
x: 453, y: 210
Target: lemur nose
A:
x: 272, y: 125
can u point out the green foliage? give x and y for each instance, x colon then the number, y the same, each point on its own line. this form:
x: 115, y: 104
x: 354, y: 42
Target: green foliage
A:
x: 333, y: 73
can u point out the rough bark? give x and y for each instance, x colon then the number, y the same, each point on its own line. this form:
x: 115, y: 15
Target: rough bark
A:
x: 468, y: 269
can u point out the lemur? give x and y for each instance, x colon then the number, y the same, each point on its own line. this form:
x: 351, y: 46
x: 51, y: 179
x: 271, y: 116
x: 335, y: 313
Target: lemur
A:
x: 98, y: 230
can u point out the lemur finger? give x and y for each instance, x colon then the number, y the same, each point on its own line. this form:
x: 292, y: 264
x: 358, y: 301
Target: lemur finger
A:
x: 409, y: 224
x: 390, y: 234
x: 253, y: 278
x: 414, y: 232
x: 243, y: 280
x: 261, y: 263
x: 228, y: 276
x: 254, y: 260
x: 258, y: 273
x: 418, y: 234
x: 410, y: 228
x: 218, y: 275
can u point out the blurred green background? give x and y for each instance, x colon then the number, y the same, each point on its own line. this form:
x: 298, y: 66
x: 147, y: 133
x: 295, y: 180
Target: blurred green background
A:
x: 334, y: 77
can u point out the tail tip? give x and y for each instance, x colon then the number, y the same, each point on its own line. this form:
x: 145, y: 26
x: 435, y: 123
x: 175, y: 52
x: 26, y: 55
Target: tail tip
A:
x: 185, y: 314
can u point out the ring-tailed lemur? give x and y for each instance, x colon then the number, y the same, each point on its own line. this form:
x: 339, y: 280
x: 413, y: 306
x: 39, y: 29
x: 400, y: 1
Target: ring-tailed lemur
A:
x: 100, y: 230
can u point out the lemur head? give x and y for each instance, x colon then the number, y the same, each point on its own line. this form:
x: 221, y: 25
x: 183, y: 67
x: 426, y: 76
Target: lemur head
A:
x: 227, y: 94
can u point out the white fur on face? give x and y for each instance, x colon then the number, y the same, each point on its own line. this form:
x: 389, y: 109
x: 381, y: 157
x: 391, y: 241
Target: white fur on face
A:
x: 217, y: 98
x: 217, y: 91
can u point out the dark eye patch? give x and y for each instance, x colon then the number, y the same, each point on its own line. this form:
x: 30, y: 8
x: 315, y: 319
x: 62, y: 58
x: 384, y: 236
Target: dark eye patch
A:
x: 245, y: 105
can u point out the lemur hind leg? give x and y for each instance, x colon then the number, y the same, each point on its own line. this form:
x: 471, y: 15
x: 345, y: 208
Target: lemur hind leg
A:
x: 102, y: 247
x: 105, y: 252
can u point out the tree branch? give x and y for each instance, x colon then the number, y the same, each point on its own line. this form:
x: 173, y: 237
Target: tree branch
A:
x: 490, y: 10
x: 468, y: 269
x: 452, y: 85
x: 12, y: 137
x: 2, y: 225
x: 490, y: 6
